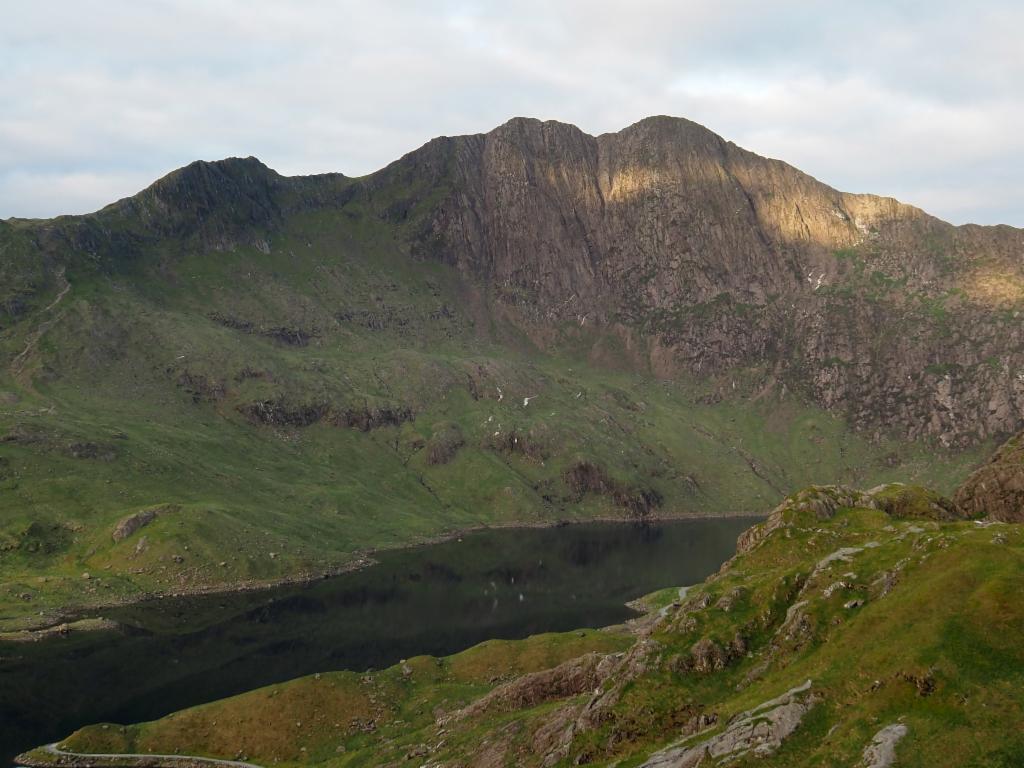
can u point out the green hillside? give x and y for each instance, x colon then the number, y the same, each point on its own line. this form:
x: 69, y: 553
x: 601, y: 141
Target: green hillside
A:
x: 284, y: 405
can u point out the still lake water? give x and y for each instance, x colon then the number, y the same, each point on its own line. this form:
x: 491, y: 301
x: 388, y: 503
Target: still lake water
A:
x: 435, y: 599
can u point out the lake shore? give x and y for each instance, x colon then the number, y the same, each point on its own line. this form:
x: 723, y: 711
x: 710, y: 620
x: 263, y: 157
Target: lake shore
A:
x: 83, y: 618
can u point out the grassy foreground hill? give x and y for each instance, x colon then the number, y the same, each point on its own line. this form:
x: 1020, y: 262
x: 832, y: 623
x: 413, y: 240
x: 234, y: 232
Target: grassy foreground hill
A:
x: 852, y: 628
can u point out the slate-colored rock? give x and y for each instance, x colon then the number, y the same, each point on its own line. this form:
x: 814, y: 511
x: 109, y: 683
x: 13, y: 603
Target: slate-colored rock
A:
x: 996, y: 489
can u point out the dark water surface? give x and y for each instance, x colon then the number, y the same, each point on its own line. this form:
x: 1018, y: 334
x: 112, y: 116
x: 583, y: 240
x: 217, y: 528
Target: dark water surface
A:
x: 435, y: 599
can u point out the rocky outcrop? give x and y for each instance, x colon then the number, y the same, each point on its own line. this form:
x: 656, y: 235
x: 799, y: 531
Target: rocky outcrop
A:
x: 291, y: 336
x: 823, y: 501
x: 90, y: 450
x: 444, y: 444
x: 533, y: 444
x: 881, y: 752
x: 585, y: 477
x: 707, y: 656
x: 820, y: 500
x: 996, y: 490
x: 280, y: 413
x: 201, y: 387
x: 758, y: 732
x: 366, y: 418
x: 126, y: 526
x: 569, y: 679
x: 284, y: 413
x: 912, y: 501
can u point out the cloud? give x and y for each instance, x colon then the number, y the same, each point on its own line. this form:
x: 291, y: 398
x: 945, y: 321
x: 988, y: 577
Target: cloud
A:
x: 919, y: 100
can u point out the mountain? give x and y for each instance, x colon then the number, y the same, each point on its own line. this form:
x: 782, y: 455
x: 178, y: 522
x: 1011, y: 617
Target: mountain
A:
x: 236, y: 376
x: 700, y: 256
x: 852, y: 628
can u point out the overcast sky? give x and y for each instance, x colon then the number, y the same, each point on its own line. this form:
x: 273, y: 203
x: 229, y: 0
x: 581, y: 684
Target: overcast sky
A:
x: 923, y: 101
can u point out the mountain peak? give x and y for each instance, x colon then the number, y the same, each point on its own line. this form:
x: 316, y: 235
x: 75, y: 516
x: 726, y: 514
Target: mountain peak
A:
x: 205, y: 177
x: 533, y: 123
x: 214, y: 198
x: 666, y: 123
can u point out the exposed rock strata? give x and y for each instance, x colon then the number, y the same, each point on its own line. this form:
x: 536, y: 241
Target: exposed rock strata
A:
x: 130, y: 524
x: 283, y: 413
x: 703, y: 257
x: 569, y: 679
x: 585, y: 477
x: 997, y: 488
x: 759, y: 731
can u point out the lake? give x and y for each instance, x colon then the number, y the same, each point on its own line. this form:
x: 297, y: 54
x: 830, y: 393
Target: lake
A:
x: 435, y: 599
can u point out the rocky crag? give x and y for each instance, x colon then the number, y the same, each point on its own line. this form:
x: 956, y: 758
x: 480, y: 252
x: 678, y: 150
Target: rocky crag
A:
x: 699, y: 255
x: 996, y: 489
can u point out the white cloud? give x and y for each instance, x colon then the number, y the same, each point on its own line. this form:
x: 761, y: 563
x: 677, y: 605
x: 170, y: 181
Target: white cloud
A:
x: 919, y: 100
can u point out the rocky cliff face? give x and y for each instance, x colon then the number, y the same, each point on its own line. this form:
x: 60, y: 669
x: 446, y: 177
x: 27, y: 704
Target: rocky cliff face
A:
x: 704, y: 257
x: 996, y: 489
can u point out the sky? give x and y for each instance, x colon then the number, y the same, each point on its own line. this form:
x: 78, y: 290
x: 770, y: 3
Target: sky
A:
x: 923, y: 101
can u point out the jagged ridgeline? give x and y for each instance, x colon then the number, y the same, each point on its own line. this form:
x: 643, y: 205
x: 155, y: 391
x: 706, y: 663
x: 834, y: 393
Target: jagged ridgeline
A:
x: 524, y: 326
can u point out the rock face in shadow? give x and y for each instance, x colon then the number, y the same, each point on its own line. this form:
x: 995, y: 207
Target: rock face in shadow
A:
x: 444, y: 444
x: 283, y: 412
x: 996, y: 490
x: 585, y: 477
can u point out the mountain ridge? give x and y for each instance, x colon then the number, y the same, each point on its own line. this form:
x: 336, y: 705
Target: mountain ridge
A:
x: 549, y: 216
x: 523, y: 326
x: 635, y: 231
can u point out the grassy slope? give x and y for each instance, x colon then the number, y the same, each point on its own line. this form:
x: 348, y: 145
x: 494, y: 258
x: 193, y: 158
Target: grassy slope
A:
x: 310, y: 718
x: 141, y: 367
x: 952, y: 618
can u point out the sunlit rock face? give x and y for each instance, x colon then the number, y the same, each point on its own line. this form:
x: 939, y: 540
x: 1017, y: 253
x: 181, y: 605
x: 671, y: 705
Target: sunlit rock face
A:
x: 699, y: 256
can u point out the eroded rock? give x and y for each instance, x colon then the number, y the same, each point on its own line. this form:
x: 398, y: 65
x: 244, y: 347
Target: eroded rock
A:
x: 881, y: 752
x: 759, y: 731
x: 996, y: 489
x: 568, y: 679
x: 132, y: 523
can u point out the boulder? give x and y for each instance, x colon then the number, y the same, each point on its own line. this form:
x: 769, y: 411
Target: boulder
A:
x: 996, y: 490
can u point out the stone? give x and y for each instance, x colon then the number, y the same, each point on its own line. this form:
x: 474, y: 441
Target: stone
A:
x: 130, y: 524
x: 881, y: 752
x: 996, y: 489
x: 759, y: 732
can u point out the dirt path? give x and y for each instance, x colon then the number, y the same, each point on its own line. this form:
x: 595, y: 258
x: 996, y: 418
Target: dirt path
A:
x: 137, y: 761
x: 18, y: 362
